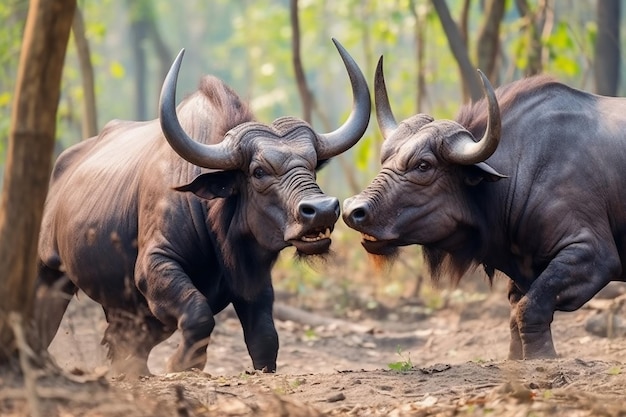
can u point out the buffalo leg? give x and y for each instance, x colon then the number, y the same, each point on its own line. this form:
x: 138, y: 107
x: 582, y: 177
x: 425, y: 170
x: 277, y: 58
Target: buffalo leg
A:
x: 259, y: 330
x: 177, y: 304
x: 571, y: 279
x: 191, y: 353
x: 130, y: 338
x: 515, y: 346
x: 54, y: 292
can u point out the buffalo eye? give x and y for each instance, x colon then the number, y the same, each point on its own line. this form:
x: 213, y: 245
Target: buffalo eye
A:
x: 423, y: 166
x: 259, y: 173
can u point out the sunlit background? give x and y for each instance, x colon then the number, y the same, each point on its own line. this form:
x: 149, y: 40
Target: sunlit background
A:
x: 248, y: 44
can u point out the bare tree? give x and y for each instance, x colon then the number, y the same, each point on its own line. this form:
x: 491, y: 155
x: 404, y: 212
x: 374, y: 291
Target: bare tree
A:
x: 90, y: 121
x: 420, y: 61
x: 488, y: 42
x: 305, y: 93
x: 538, y: 23
x: 607, y: 57
x: 29, y: 156
x: 143, y: 29
x: 457, y: 46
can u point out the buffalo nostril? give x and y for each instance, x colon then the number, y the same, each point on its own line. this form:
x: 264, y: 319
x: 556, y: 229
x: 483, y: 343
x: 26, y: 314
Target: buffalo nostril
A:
x: 307, y: 210
x: 358, y: 214
x: 321, y: 210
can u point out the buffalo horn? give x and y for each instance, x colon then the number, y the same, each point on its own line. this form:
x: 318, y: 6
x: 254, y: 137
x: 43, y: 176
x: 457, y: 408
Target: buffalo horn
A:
x: 342, y: 139
x: 468, y: 152
x: 386, y: 122
x: 217, y: 156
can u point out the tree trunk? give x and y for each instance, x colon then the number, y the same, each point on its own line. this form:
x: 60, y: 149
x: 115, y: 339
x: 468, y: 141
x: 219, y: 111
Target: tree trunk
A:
x: 420, y: 62
x: 468, y: 72
x: 303, y: 88
x: 90, y: 121
x: 465, y: 39
x: 537, y: 24
x: 144, y: 29
x: 29, y: 156
x: 488, y: 42
x: 138, y: 36
x: 607, y: 59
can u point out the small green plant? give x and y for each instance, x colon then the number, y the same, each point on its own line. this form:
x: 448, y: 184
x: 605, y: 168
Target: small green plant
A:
x: 615, y: 370
x: 403, y: 365
x: 310, y: 335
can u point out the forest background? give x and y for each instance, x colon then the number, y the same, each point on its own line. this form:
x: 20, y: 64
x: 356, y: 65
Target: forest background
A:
x: 277, y: 54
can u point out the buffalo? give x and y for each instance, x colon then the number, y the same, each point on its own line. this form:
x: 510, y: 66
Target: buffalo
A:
x: 164, y: 223
x: 529, y: 181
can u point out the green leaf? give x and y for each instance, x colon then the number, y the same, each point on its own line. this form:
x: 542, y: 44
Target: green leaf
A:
x: 116, y: 69
x: 5, y: 99
x: 615, y: 370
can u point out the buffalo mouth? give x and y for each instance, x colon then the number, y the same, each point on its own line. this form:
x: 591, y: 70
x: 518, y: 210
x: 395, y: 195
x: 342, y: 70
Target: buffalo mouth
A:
x: 313, y: 241
x: 375, y: 246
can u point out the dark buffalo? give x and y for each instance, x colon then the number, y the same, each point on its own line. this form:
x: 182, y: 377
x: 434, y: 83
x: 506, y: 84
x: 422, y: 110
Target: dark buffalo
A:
x: 163, y: 244
x: 556, y: 225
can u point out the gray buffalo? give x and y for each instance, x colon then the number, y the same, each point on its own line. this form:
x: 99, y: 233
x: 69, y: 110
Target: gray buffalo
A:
x: 164, y: 243
x: 530, y: 181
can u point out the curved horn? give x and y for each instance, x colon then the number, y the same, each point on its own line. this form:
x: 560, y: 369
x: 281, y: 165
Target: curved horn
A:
x: 386, y: 122
x: 469, y: 152
x: 216, y: 156
x: 342, y: 139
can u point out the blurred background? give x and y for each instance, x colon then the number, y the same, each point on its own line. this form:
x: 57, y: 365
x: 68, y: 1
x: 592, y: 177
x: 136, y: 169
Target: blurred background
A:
x: 120, y: 51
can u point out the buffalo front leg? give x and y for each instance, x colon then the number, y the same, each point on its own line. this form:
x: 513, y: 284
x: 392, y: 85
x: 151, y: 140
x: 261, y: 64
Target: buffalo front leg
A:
x: 196, y: 332
x: 187, y: 309
x: 258, y: 329
x: 177, y: 303
x: 532, y: 319
x: 515, y: 346
x: 571, y: 279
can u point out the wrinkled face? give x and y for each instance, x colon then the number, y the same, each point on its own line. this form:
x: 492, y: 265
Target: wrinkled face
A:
x: 416, y: 198
x: 285, y: 206
x: 279, y: 201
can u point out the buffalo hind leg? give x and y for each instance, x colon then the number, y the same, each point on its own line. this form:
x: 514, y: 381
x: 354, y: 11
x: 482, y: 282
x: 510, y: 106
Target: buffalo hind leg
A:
x: 259, y: 330
x: 129, y: 339
x: 53, y: 293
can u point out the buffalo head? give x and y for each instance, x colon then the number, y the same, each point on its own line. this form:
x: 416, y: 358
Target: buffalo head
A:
x: 428, y: 168
x: 270, y: 169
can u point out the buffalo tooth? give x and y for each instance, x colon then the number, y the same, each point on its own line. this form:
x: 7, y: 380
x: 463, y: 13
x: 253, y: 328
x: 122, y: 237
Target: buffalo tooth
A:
x: 320, y: 235
x: 368, y: 237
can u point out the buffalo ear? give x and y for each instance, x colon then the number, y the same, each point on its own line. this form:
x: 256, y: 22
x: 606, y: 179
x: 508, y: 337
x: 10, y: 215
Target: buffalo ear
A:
x: 476, y: 173
x: 220, y: 184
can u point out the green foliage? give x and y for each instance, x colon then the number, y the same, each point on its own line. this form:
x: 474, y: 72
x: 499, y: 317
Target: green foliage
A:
x: 248, y: 45
x: 560, y: 45
x: 404, y: 365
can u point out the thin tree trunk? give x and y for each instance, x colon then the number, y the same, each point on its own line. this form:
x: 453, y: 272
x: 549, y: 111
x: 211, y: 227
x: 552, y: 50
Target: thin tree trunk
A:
x: 420, y: 62
x: 465, y: 39
x: 138, y: 35
x: 162, y: 50
x: 459, y: 51
x: 90, y: 122
x: 303, y: 88
x: 29, y: 156
x: 488, y: 42
x: 607, y: 57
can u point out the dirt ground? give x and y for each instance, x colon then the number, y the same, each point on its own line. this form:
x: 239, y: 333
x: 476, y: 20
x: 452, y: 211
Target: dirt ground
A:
x: 399, y: 361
